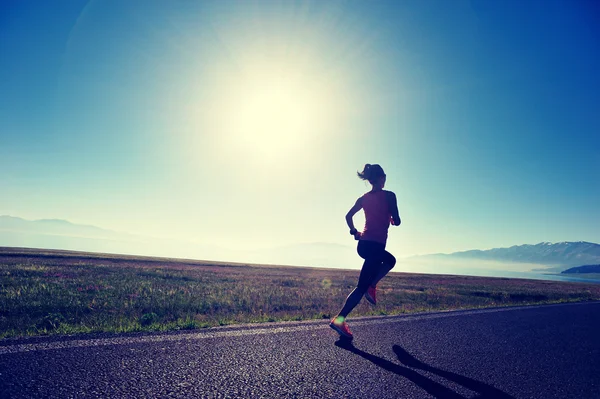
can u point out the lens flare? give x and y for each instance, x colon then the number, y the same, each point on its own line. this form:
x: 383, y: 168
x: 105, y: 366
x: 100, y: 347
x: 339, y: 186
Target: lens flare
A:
x: 326, y: 283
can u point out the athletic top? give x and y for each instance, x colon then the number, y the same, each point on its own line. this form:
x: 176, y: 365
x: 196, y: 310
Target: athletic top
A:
x: 377, y: 216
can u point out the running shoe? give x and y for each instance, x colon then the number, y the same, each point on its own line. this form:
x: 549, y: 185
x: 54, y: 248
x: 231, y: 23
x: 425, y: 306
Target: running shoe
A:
x: 371, y: 295
x: 339, y: 324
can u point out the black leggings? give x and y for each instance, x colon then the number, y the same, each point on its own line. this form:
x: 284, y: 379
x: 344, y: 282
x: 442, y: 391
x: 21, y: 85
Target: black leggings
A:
x: 378, y: 262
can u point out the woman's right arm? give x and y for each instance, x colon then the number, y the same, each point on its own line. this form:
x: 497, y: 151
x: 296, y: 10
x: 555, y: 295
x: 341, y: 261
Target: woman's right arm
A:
x: 357, y: 207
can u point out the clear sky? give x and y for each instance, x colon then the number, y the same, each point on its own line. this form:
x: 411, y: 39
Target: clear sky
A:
x: 242, y: 124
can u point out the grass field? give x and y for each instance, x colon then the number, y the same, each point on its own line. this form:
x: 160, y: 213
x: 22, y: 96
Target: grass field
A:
x: 58, y: 292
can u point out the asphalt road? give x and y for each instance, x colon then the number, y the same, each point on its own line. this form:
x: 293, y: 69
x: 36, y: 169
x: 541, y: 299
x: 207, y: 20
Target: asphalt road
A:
x: 528, y: 352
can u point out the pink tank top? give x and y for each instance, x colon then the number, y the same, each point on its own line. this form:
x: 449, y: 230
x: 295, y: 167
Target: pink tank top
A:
x: 377, y: 216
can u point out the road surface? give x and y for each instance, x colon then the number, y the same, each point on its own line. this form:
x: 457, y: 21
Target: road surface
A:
x: 527, y: 352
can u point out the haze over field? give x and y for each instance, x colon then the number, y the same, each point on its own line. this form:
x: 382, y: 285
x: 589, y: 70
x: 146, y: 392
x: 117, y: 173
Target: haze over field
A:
x: 229, y: 128
x: 528, y: 261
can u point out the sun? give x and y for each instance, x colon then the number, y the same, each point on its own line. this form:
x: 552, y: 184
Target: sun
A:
x: 271, y: 116
x: 269, y: 113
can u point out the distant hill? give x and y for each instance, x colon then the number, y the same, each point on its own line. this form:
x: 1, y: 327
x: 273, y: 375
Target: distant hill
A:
x: 560, y: 255
x: 62, y: 234
x: 583, y: 269
x: 54, y: 227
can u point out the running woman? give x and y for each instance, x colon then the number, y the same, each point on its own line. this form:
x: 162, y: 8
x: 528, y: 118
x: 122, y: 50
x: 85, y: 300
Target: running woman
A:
x: 380, y: 209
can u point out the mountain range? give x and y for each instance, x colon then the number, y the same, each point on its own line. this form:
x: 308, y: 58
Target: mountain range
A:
x: 557, y: 255
x: 54, y: 227
x: 62, y: 234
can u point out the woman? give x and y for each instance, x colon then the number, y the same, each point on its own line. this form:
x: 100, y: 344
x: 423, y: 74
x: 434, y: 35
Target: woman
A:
x: 380, y: 209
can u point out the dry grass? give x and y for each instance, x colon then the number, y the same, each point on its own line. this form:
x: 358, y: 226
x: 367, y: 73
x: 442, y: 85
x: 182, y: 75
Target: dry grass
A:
x: 62, y: 293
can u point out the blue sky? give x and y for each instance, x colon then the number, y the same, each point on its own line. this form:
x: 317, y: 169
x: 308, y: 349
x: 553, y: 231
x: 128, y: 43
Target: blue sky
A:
x: 242, y: 124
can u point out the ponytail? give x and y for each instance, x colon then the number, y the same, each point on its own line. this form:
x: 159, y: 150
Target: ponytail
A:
x: 371, y: 173
x: 365, y: 174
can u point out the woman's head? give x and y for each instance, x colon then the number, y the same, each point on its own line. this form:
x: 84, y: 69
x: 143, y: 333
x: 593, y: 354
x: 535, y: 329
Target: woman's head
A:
x: 373, y: 173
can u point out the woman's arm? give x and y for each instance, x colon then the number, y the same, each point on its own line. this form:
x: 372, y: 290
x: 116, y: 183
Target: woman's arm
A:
x: 393, y: 208
x: 357, y: 207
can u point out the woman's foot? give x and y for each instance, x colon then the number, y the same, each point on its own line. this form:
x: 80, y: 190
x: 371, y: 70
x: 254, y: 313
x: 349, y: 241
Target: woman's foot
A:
x: 339, y: 324
x: 371, y: 294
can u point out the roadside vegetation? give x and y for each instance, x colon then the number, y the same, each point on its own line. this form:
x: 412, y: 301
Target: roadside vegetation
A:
x: 60, y: 294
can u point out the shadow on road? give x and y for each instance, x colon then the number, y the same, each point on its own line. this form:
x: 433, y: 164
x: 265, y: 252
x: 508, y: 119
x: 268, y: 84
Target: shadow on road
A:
x: 430, y: 386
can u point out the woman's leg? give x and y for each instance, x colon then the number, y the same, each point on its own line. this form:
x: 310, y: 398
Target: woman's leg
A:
x: 351, y: 302
x: 388, y: 262
x: 371, y: 252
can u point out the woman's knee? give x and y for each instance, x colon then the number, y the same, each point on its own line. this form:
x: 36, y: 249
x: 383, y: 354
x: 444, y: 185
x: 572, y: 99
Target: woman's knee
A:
x: 389, y: 260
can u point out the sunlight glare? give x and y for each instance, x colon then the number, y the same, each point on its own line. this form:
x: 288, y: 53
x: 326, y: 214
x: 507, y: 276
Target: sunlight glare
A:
x: 271, y: 112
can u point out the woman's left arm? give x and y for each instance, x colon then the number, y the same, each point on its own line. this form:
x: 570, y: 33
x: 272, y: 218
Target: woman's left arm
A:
x: 393, y: 204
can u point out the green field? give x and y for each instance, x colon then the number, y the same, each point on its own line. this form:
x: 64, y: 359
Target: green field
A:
x: 59, y: 292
